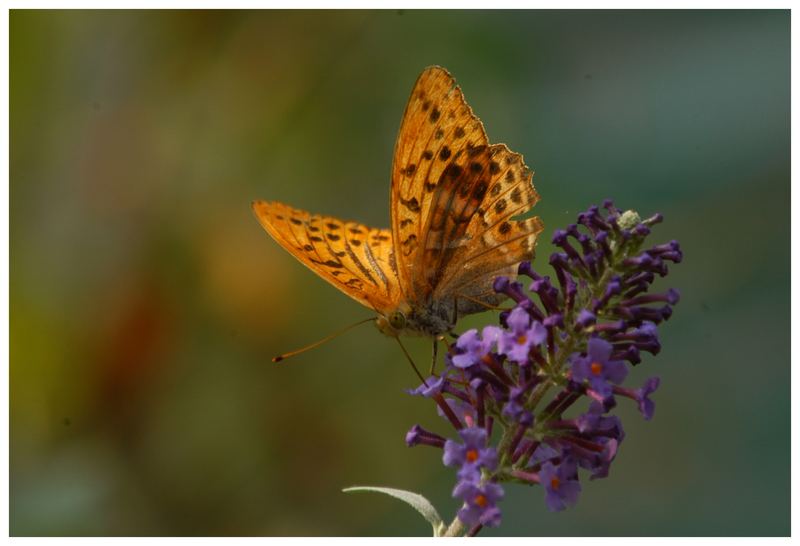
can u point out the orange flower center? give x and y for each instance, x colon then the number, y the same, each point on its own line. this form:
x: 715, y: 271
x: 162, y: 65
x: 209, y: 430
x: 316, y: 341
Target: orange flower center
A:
x: 472, y: 455
x: 481, y: 500
x: 521, y: 340
x: 597, y: 368
x: 555, y: 483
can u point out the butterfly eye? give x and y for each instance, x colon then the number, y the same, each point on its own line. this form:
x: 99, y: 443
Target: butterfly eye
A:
x: 397, y: 320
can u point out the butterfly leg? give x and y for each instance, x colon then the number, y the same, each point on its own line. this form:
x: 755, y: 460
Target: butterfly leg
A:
x: 450, y: 332
x: 435, y: 353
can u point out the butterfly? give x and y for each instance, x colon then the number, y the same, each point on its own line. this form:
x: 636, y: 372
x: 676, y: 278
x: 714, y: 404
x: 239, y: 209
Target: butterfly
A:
x: 454, y: 199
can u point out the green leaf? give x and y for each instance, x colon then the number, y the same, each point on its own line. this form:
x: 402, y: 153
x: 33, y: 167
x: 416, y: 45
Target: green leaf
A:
x: 418, y: 502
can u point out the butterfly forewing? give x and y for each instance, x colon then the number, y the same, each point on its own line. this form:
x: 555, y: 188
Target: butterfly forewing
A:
x: 453, y: 199
x: 356, y: 259
x: 438, y: 128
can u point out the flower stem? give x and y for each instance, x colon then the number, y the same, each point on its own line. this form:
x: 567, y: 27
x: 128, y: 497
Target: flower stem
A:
x: 456, y: 528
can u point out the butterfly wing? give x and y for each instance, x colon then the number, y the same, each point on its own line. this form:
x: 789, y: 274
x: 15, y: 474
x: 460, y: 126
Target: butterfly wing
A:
x: 453, y: 199
x: 356, y: 259
x: 493, y: 243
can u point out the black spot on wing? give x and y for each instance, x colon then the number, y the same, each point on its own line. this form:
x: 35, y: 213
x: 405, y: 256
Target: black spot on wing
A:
x: 480, y: 190
x: 411, y: 204
x: 452, y: 171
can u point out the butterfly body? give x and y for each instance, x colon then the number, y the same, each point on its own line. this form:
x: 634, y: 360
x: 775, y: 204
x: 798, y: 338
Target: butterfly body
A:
x: 428, y: 320
x: 454, y: 203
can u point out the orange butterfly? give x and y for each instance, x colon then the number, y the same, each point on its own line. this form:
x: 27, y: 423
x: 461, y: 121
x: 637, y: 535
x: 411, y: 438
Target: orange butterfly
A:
x: 453, y: 198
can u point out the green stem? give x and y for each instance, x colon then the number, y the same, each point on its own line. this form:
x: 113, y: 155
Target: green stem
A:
x: 538, y: 393
x: 502, y: 446
x: 456, y: 528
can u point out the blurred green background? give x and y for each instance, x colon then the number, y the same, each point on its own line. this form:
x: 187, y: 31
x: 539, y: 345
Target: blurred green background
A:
x: 146, y: 301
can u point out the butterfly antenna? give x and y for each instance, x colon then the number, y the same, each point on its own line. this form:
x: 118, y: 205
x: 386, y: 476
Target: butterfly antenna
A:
x: 408, y: 356
x: 321, y: 341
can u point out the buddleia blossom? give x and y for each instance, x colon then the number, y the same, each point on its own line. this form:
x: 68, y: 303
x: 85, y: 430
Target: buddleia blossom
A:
x: 532, y: 399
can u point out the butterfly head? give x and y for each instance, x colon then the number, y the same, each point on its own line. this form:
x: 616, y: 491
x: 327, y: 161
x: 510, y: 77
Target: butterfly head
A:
x: 393, y: 323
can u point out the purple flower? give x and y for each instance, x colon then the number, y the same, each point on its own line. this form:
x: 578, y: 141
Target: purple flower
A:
x: 516, y: 344
x: 597, y: 368
x: 560, y: 485
x: 418, y: 435
x: 642, y: 396
x: 480, y: 503
x: 585, y: 318
x: 646, y: 406
x: 464, y: 411
x: 595, y: 422
x: 506, y: 379
x: 472, y: 455
x: 514, y: 408
x: 543, y: 453
x: 473, y: 348
x: 432, y: 386
x: 602, y: 461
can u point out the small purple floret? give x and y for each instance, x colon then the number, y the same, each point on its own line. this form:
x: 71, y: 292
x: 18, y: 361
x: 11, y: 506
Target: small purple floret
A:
x: 472, y: 347
x: 646, y: 406
x: 419, y: 436
x: 472, y: 455
x: 432, y: 386
x: 585, y: 318
x: 480, y: 503
x: 560, y: 484
x: 516, y: 345
x: 597, y: 367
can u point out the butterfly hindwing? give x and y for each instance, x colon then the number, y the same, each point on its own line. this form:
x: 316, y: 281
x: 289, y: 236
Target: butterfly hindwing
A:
x: 356, y: 259
x: 497, y: 241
